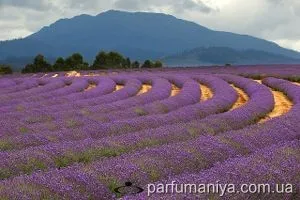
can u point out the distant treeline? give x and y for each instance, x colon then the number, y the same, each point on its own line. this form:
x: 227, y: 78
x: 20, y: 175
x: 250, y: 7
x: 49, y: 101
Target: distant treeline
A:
x: 5, y: 69
x: 104, y: 60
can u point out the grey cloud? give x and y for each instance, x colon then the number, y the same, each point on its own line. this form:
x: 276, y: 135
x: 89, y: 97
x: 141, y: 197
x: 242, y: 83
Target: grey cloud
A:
x: 175, y: 6
x: 275, y: 20
x: 276, y: 1
x: 128, y: 4
x: 30, y: 4
x: 191, y: 5
x: 82, y: 4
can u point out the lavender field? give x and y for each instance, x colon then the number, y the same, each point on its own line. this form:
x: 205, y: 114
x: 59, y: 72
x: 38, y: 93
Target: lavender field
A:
x: 83, y: 135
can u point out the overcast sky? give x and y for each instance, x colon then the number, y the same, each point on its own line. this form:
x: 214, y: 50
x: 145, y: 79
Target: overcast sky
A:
x: 276, y: 20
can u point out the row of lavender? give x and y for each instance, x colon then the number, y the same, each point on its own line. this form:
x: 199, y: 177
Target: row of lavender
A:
x: 181, y: 124
x: 221, y: 102
x: 159, y: 162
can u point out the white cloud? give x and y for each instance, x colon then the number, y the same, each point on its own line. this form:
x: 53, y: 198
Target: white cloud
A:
x: 293, y: 44
x: 178, y: 6
x: 276, y: 20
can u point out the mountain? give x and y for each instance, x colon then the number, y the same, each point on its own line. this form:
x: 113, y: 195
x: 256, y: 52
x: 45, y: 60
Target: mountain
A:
x: 137, y: 35
x: 226, y: 55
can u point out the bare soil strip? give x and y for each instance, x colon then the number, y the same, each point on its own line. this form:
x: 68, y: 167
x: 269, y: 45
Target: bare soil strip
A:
x: 91, y: 86
x: 73, y: 74
x: 175, y: 90
x: 296, y: 83
x: 282, y: 105
x: 119, y: 87
x: 206, y: 93
x: 145, y: 88
x: 242, y: 99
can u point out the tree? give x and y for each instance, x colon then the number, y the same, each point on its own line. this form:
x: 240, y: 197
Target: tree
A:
x: 110, y: 60
x: 100, y: 61
x: 59, y: 64
x: 127, y: 63
x: 75, y: 62
x: 5, y: 69
x: 157, y: 64
x: 135, y: 64
x: 39, y: 65
x: 114, y: 60
x: 29, y: 68
x: 147, y: 64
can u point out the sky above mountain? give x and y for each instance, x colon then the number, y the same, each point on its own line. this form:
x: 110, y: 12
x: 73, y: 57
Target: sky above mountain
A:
x: 275, y: 20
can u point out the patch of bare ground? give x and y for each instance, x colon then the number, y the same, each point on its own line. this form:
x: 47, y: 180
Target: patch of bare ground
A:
x: 206, y: 93
x: 91, y: 86
x: 145, y: 88
x: 73, y: 74
x: 175, y: 90
x: 243, y: 98
x: 296, y: 83
x: 282, y: 105
x: 119, y: 87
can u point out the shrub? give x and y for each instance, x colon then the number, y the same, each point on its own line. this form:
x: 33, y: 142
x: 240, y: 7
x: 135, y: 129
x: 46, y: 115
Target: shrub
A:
x: 5, y: 69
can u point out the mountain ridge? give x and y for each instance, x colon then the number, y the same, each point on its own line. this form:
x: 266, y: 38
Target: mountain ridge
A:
x: 225, y: 55
x: 138, y: 35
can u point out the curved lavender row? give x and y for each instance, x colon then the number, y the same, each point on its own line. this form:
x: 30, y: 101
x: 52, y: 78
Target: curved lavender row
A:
x: 25, y: 117
x: 261, y: 102
x: 85, y: 132
x: 157, y: 94
x: 104, y: 86
x: 11, y: 83
x: 30, y: 95
x: 58, y: 94
x: 28, y: 84
x: 17, y: 80
x: 75, y: 86
x: 223, y: 93
x: 284, y: 86
x: 181, y: 80
x: 158, y: 163
x: 278, y: 164
x: 64, y: 154
x: 161, y: 89
x: 59, y: 116
x: 132, y: 86
x: 41, y: 82
x: 101, y: 107
x: 16, y: 142
x: 224, y: 97
x: 37, y: 92
x: 189, y: 94
x: 13, y: 128
x: 148, y: 122
x: 6, y: 83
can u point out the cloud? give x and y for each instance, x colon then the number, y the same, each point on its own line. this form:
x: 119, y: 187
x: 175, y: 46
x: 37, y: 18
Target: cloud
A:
x: 29, y: 4
x: 178, y: 6
x: 276, y: 20
x: 29, y: 16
